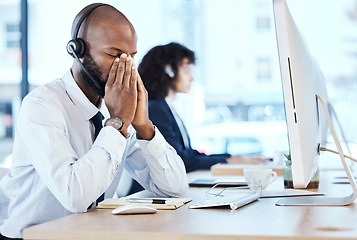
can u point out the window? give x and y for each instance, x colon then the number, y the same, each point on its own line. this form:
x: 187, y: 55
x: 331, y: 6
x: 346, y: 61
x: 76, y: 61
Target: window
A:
x: 237, y: 75
x: 263, y: 23
x: 264, y: 67
x: 12, y: 36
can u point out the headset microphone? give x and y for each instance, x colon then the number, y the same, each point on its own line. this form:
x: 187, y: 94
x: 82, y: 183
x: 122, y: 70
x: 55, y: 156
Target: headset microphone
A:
x: 76, y: 47
x: 83, y: 68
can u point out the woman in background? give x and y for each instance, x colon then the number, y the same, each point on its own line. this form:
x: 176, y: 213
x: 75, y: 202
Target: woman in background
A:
x: 167, y: 70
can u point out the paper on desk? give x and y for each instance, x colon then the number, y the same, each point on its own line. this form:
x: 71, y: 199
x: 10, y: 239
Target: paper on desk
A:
x: 172, y: 203
x: 288, y: 193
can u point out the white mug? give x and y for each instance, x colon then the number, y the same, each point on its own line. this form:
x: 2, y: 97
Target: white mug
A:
x: 259, y: 177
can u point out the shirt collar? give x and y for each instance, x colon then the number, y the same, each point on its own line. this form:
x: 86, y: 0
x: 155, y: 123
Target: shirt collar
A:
x: 79, y: 99
x: 169, y: 102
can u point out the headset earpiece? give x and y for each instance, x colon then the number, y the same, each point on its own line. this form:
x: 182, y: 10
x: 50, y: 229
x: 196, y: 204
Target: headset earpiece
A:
x: 76, y: 46
x: 169, y: 71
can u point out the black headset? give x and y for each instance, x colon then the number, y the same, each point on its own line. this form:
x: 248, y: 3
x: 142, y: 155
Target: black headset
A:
x: 76, y: 47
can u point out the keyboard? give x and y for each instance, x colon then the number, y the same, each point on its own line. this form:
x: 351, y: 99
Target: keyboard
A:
x: 234, y: 202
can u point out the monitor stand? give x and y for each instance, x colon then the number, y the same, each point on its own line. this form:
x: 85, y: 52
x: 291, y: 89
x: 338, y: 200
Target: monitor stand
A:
x: 325, y: 200
x: 334, y: 114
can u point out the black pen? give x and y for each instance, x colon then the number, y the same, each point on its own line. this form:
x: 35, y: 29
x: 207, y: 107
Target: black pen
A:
x: 148, y: 200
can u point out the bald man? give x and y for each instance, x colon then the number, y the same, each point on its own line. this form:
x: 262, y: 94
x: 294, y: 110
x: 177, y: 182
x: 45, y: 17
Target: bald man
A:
x: 62, y: 161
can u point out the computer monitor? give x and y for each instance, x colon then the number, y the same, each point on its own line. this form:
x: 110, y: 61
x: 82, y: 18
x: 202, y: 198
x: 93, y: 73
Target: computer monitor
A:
x: 299, y: 89
x: 322, y: 92
x: 306, y: 110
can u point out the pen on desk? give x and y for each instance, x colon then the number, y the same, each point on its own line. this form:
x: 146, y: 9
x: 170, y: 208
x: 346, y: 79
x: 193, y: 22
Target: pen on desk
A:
x: 147, y: 200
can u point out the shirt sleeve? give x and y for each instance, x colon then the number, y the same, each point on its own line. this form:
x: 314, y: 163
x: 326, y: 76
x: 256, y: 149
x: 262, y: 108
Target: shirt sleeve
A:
x: 75, y: 179
x: 157, y: 167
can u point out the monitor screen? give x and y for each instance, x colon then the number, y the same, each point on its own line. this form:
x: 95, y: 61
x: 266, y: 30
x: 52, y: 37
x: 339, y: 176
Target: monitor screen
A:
x: 300, y: 87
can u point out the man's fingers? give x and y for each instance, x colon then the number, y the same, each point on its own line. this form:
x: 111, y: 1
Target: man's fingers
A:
x: 134, y: 77
x: 140, y: 83
x: 113, y: 72
x: 127, y: 74
x: 121, y: 69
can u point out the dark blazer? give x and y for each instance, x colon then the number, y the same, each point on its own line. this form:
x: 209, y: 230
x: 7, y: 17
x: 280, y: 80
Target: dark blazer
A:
x: 161, y: 116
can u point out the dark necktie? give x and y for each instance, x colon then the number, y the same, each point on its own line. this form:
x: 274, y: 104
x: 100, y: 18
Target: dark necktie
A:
x: 97, y: 121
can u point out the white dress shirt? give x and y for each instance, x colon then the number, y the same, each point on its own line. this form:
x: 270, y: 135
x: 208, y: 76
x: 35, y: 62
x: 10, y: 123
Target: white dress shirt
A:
x: 57, y: 170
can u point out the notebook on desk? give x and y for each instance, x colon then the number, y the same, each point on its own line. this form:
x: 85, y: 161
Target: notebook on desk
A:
x: 288, y: 193
x: 158, y: 203
x: 217, y: 182
x: 224, y: 169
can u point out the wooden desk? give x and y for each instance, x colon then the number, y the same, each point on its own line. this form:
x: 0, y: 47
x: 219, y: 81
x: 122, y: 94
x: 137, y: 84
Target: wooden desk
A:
x: 259, y: 220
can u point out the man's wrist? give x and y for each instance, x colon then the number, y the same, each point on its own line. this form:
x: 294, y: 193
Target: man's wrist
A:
x: 145, y: 131
x: 119, y: 125
x: 124, y: 131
